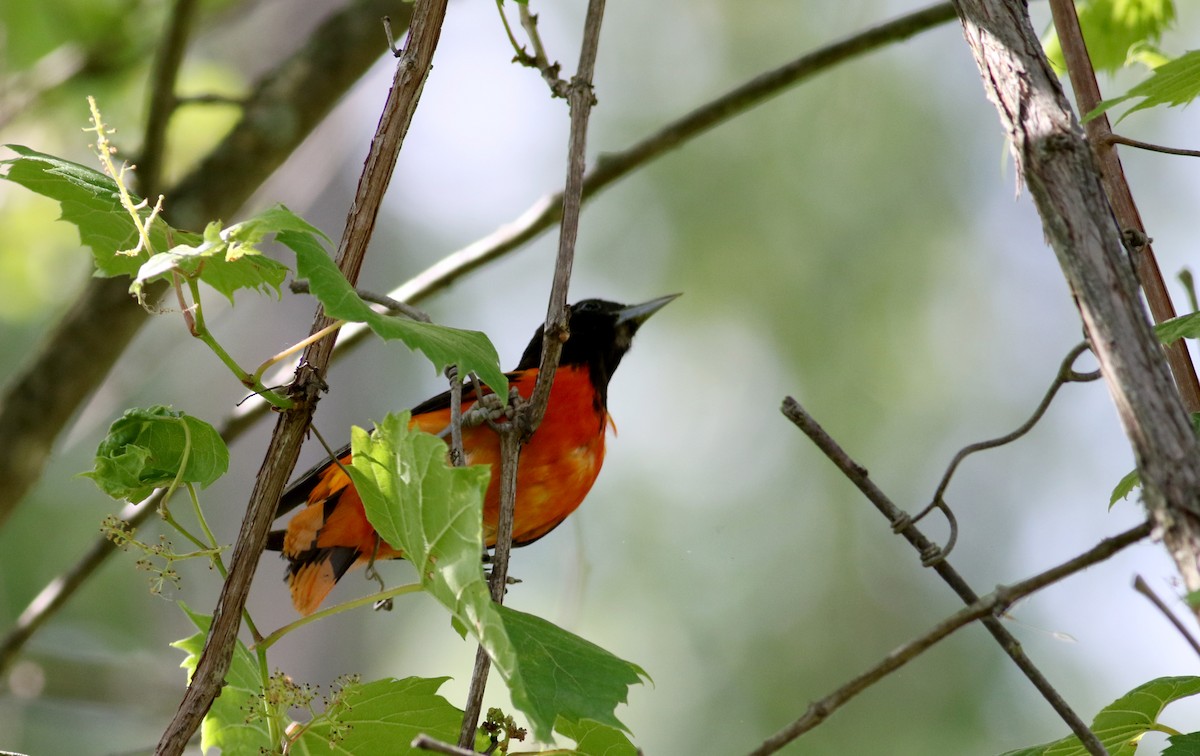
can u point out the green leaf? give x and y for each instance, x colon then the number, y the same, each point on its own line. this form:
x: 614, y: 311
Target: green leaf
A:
x: 383, y: 717
x: 1124, y: 487
x: 1122, y: 723
x: 1182, y: 327
x: 145, y: 448
x: 229, y: 259
x: 564, y: 675
x: 470, y: 351
x: 595, y: 739
x: 227, y: 725
x: 91, y: 202
x: 1171, y: 84
x: 433, y: 513
x: 1183, y: 745
x: 1113, y: 28
x: 430, y: 510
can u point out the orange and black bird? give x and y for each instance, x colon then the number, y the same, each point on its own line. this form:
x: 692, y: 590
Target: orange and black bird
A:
x: 558, y: 466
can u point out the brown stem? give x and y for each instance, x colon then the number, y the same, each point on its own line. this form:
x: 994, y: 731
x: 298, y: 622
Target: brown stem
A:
x: 1116, y: 187
x: 1118, y: 139
x: 209, y: 677
x: 510, y: 453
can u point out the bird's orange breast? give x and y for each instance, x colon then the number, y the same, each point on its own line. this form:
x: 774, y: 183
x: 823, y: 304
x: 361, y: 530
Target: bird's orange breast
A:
x: 557, y: 469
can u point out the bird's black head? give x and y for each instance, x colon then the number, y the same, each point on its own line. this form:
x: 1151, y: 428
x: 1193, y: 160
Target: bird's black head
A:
x: 601, y: 332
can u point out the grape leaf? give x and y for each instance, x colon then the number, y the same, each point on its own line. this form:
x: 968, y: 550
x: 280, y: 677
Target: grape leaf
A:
x: 1182, y: 327
x: 91, y: 202
x: 470, y: 351
x: 229, y: 259
x: 1124, y: 487
x: 564, y: 675
x: 433, y: 512
x: 1176, y: 82
x: 144, y: 449
x: 594, y: 739
x: 226, y: 725
x: 1187, y: 744
x: 383, y: 717
x: 1122, y: 723
x: 1113, y: 28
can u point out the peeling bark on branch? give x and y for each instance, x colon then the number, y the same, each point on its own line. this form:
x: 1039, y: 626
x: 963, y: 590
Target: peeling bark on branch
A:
x: 1057, y: 165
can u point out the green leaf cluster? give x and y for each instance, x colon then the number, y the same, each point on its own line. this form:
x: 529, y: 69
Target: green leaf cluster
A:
x: 1113, y: 29
x: 229, y: 258
x: 147, y: 448
x: 433, y: 513
x: 1175, y: 82
x: 1121, y: 724
x: 379, y: 717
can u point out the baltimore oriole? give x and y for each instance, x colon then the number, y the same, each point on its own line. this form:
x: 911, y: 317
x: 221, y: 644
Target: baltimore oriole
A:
x: 558, y: 466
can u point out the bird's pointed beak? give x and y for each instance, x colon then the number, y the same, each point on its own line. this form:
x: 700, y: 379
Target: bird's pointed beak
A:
x: 638, y: 313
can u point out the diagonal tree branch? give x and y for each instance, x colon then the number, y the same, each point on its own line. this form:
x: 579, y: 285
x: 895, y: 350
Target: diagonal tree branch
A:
x: 992, y: 605
x: 857, y: 474
x: 1060, y: 170
x: 412, y: 68
x: 80, y: 350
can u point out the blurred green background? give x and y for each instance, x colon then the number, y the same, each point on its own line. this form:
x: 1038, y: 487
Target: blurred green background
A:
x: 857, y: 242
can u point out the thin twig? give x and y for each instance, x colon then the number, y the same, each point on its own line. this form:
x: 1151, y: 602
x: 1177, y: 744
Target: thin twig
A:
x: 1141, y: 587
x: 1118, y: 139
x: 580, y: 99
x: 36, y: 426
x: 1066, y: 374
x: 992, y: 605
x: 528, y: 417
x: 284, y: 447
x: 1120, y: 196
x: 858, y: 475
x: 540, y: 61
x: 510, y: 448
